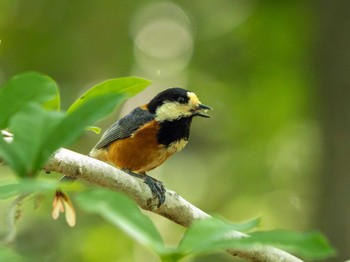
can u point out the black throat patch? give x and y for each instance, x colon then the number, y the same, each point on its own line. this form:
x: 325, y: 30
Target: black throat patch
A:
x: 176, y: 130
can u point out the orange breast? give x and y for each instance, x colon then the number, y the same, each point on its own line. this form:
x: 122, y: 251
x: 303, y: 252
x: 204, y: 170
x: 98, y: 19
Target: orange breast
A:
x: 140, y: 152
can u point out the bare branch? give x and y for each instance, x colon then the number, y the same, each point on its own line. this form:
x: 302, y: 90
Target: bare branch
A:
x: 175, y: 207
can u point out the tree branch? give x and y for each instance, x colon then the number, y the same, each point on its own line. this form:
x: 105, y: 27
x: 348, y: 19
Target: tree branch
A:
x: 174, y: 208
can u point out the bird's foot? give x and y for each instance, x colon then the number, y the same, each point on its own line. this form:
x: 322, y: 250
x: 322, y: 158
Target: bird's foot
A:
x: 155, y: 185
x: 157, y: 188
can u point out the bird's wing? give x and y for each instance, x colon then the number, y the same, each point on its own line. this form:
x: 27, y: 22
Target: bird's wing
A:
x: 125, y: 127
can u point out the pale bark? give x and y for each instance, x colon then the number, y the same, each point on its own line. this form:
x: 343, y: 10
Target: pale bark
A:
x: 175, y: 208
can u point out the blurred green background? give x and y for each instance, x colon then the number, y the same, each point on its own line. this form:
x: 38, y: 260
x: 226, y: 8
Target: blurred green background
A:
x: 275, y: 72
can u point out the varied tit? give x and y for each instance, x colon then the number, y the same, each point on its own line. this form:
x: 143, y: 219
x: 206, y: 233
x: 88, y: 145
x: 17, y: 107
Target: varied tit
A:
x: 150, y: 134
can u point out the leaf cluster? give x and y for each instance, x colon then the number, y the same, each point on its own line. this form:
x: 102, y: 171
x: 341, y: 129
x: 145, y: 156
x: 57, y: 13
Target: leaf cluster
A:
x: 204, y: 236
x: 30, y: 109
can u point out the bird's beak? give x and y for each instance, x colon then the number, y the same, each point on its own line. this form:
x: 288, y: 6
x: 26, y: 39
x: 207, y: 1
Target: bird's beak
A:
x: 202, y: 110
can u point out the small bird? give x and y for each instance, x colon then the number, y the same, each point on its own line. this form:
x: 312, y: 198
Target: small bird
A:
x: 147, y: 136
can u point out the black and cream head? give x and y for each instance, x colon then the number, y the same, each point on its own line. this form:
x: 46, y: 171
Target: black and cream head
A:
x: 176, y: 103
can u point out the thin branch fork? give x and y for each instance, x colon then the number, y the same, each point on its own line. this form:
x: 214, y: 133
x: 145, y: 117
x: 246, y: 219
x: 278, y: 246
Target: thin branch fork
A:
x: 175, y: 207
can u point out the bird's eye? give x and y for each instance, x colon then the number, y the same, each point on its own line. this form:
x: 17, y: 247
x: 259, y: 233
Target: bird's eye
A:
x: 181, y: 100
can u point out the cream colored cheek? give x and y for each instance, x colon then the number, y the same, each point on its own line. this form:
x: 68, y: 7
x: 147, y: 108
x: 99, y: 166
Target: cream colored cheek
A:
x: 194, y: 101
x: 171, y: 111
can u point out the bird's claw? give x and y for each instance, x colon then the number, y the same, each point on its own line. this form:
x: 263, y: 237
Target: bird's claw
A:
x: 157, y: 189
x: 156, y: 186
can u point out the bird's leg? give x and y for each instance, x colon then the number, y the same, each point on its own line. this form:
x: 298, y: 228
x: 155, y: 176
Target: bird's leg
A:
x: 155, y: 185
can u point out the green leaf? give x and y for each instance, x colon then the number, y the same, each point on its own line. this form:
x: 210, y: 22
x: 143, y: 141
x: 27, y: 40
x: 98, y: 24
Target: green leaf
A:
x: 214, y: 234
x: 308, y: 245
x: 29, y: 127
x: 123, y: 213
x: 38, y: 132
x: 203, y: 233
x: 9, y: 155
x: 97, y: 103
x: 312, y: 245
x: 126, y: 86
x: 26, y: 186
x: 74, y: 123
x: 55, y: 103
x: 25, y: 88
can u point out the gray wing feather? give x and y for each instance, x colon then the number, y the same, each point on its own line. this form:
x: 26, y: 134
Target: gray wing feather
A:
x: 125, y: 127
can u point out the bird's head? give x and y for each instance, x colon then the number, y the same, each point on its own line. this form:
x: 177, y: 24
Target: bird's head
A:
x: 175, y: 103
